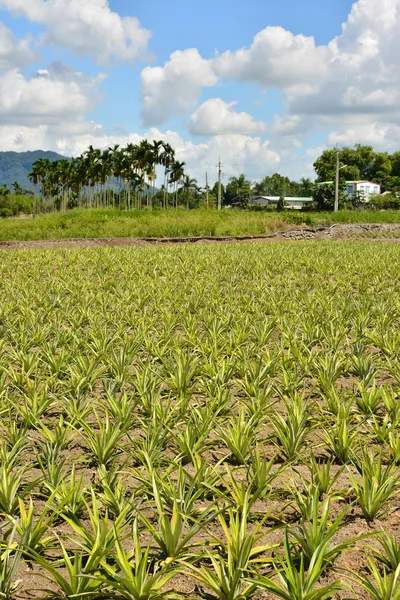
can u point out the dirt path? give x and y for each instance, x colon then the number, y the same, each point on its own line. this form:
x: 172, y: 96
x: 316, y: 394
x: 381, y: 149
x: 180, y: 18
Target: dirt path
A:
x: 354, y: 231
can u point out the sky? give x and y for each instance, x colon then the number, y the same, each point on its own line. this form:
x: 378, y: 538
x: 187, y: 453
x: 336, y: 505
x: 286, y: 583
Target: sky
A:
x: 263, y: 85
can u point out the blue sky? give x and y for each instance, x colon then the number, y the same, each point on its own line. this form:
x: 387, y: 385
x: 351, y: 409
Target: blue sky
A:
x: 267, y: 85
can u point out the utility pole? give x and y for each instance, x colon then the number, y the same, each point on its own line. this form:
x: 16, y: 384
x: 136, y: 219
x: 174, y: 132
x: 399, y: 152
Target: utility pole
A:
x: 219, y: 185
x: 336, y: 205
x: 206, y: 190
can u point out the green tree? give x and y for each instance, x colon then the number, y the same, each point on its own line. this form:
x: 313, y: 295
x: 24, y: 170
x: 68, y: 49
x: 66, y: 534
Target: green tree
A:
x: 177, y: 173
x: 306, y: 187
x: 325, y: 165
x: 362, y: 162
x: 281, y: 204
x: 324, y: 195
x: 277, y: 185
x: 189, y: 188
x: 238, y: 191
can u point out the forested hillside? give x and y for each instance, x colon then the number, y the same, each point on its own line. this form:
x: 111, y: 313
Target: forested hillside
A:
x: 16, y: 166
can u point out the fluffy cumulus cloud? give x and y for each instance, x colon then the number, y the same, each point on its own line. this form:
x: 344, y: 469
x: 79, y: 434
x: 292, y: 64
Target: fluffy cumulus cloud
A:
x: 54, y: 95
x: 14, y: 53
x: 356, y: 76
x: 358, y: 72
x: 359, y: 96
x: 349, y: 87
x: 87, y: 27
x: 276, y: 58
x: 241, y: 153
x: 376, y: 133
x: 218, y: 117
x: 174, y: 88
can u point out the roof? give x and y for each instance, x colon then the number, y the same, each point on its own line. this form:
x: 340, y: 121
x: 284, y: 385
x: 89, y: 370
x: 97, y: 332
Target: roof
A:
x: 287, y: 198
x: 364, y: 181
x: 348, y: 181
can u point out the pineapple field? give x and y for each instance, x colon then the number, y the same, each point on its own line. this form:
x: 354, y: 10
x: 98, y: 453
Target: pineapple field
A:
x: 218, y: 422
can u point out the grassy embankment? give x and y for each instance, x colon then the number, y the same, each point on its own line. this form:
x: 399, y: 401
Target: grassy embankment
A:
x: 113, y: 223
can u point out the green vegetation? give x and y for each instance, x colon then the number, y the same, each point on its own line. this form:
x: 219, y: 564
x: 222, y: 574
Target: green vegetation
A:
x: 168, y: 223
x: 117, y: 177
x: 219, y: 419
x: 14, y: 204
x: 16, y: 166
x: 361, y: 162
x: 148, y: 175
x: 96, y: 223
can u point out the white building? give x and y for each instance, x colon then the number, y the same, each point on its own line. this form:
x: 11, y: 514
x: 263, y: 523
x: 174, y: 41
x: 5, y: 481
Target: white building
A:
x: 362, y: 188
x: 291, y: 203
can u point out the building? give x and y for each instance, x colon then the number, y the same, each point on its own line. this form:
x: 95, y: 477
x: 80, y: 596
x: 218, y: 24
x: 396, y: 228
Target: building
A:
x: 363, y: 188
x: 295, y: 203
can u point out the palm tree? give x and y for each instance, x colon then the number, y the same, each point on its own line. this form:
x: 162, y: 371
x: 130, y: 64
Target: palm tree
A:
x: 40, y: 176
x: 307, y: 186
x: 155, y: 154
x: 176, y: 175
x: 166, y: 159
x: 17, y: 188
x: 88, y: 177
x: 241, y: 188
x: 189, y: 185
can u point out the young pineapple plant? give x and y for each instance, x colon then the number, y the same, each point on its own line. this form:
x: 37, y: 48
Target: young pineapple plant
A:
x: 342, y: 438
x: 379, y: 584
x: 80, y: 578
x: 228, y: 575
x: 290, y: 432
x: 377, y: 486
x: 293, y: 581
x: 105, y: 442
x: 132, y: 576
x: 316, y: 533
x: 240, y: 436
x: 10, y: 556
x: 174, y: 531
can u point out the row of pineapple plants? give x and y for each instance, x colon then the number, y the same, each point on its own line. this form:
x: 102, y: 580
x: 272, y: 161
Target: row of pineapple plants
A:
x: 188, y: 421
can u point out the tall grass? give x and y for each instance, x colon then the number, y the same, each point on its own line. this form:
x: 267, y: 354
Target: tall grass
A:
x: 171, y: 223
x: 108, y: 223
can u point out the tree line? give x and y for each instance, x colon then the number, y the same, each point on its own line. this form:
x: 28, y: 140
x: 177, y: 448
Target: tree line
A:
x: 359, y: 163
x: 148, y: 175
x: 115, y: 177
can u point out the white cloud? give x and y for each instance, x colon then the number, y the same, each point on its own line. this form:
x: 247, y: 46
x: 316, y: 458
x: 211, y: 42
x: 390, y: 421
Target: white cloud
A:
x: 56, y: 95
x: 287, y: 125
x: 174, y: 88
x: 14, y: 53
x: 356, y: 76
x: 364, y: 66
x: 215, y: 117
x: 378, y: 134
x: 350, y: 86
x: 276, y: 58
x: 240, y: 153
x: 87, y: 27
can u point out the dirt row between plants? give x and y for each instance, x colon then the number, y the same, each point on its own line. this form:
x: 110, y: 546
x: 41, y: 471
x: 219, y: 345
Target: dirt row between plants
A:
x: 389, y: 232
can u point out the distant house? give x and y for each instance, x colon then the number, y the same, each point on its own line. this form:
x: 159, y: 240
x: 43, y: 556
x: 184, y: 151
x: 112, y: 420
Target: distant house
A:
x: 291, y: 203
x: 361, y: 188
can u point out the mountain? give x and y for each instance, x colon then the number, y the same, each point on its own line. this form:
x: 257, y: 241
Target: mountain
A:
x: 16, y: 166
